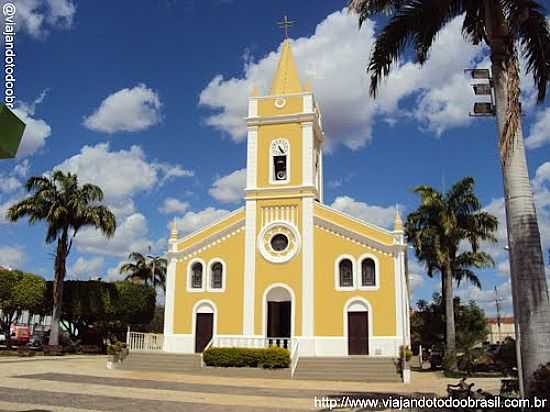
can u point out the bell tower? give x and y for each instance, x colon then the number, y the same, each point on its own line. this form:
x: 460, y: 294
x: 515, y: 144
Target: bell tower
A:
x: 284, y: 179
x: 285, y: 135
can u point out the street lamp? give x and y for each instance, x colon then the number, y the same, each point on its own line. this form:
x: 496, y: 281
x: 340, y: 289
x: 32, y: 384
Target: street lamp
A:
x: 482, y: 109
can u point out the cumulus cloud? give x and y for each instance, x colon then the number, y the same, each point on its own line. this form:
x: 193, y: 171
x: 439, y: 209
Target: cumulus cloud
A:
x: 122, y: 175
x: 11, y: 256
x: 381, y: 216
x: 38, y: 17
x: 85, y: 268
x: 539, y: 132
x: 192, y: 221
x: 230, y: 188
x: 127, y: 110
x: 36, y: 130
x: 444, y: 96
x: 172, y: 205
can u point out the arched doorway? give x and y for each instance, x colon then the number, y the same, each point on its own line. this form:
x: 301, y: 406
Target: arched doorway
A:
x: 357, y: 321
x: 278, y: 312
x: 204, y: 315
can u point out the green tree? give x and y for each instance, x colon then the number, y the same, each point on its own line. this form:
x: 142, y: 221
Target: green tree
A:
x: 146, y: 269
x: 437, y: 229
x: 428, y: 323
x: 501, y: 24
x: 19, y: 291
x: 66, y: 207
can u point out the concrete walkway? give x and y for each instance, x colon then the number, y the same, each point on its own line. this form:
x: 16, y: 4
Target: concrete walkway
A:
x: 74, y: 384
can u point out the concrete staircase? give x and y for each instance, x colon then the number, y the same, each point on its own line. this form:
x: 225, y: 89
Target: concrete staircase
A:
x: 161, y: 362
x: 350, y: 368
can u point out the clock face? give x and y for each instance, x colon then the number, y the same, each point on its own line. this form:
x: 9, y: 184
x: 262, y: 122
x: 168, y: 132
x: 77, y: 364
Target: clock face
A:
x: 279, y: 147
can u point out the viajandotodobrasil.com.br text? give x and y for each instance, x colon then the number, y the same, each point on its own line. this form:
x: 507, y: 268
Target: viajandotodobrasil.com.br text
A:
x: 403, y: 403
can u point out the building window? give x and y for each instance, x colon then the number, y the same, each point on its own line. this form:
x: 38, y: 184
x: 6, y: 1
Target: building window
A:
x: 345, y: 268
x: 216, y: 280
x: 368, y: 272
x: 196, y: 275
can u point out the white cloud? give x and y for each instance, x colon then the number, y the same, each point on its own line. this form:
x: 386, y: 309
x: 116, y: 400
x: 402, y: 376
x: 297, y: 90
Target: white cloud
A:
x: 122, y: 175
x: 337, y: 47
x: 192, y: 221
x: 37, y: 17
x: 486, y: 298
x: 172, y: 205
x: 85, y: 268
x: 539, y: 132
x: 127, y: 110
x: 36, y: 130
x: 11, y: 256
x: 230, y: 188
x: 131, y: 235
x: 378, y: 215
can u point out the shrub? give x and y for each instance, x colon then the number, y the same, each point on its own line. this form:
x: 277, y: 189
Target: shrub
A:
x: 270, y: 358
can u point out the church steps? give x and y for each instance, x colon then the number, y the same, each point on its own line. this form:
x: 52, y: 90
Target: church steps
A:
x: 364, y: 369
x: 161, y: 362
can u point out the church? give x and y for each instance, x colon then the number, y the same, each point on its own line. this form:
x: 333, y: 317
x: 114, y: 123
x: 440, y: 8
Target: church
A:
x: 285, y: 268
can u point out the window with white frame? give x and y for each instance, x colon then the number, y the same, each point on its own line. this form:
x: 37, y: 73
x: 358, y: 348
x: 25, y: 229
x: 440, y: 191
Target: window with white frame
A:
x: 196, y: 275
x: 368, y: 272
x: 216, y: 275
x: 345, y: 273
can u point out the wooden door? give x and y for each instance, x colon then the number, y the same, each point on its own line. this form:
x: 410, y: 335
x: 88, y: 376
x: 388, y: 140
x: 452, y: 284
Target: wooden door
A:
x: 204, y: 330
x: 358, y: 333
x: 278, y: 319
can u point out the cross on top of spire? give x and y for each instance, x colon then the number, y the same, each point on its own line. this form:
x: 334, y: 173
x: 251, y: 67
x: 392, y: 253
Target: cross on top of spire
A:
x: 285, y: 25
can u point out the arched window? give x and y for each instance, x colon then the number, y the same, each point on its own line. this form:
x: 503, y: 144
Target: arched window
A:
x: 368, y: 272
x: 216, y: 279
x: 345, y: 268
x: 196, y: 275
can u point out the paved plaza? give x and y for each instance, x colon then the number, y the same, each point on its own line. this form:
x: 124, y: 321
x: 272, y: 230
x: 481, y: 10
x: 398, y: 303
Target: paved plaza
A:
x: 83, y: 383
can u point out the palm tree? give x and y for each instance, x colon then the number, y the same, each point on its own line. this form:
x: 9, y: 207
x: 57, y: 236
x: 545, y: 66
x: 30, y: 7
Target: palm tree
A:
x: 437, y: 229
x: 146, y: 268
x: 501, y: 24
x: 66, y: 208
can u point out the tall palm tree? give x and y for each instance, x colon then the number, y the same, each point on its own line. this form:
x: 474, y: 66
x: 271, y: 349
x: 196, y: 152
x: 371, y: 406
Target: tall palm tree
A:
x: 66, y: 207
x: 437, y: 230
x: 501, y: 24
x: 146, y: 268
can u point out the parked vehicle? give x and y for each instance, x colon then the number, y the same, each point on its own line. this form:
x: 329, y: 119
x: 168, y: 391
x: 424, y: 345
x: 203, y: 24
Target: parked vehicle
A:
x: 436, y: 357
x: 19, y: 334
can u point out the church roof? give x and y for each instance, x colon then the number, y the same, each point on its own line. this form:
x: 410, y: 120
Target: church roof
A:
x: 286, y: 78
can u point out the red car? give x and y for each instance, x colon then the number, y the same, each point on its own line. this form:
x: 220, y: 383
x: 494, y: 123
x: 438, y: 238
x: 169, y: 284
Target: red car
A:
x: 19, y: 334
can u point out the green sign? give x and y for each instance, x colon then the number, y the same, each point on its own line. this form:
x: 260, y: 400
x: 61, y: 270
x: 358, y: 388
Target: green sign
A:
x: 11, y: 132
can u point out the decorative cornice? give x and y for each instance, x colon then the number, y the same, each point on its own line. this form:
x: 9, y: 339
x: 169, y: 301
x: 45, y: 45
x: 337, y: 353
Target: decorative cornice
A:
x: 367, y: 242
x: 207, y: 243
x: 285, y: 118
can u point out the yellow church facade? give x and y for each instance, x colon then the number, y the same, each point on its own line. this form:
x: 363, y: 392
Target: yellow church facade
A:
x: 286, y: 267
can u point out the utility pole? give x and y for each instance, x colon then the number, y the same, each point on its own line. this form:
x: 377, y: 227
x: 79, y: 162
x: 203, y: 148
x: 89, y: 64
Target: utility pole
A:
x: 497, y: 302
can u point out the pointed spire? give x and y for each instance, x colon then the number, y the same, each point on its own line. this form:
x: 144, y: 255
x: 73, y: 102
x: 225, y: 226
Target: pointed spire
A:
x: 397, y: 223
x: 173, y: 231
x: 286, y: 78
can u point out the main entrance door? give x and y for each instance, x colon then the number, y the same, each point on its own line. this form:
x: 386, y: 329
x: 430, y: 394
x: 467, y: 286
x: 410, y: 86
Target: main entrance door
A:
x: 358, y: 335
x: 278, y: 319
x: 204, y: 329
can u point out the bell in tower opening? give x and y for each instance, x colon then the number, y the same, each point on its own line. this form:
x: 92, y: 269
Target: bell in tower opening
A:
x: 280, y: 167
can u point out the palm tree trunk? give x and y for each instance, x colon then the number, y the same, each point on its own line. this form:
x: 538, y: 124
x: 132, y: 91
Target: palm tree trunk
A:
x: 530, y: 294
x: 60, y: 270
x: 450, y: 335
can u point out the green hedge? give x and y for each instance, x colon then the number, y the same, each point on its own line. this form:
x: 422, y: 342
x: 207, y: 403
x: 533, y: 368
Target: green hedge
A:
x: 270, y: 358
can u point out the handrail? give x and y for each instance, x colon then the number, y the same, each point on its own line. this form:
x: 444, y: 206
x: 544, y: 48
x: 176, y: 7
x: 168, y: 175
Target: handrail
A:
x: 294, y: 356
x: 210, y: 342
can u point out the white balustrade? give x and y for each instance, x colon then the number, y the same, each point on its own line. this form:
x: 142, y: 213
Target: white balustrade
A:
x: 144, y: 342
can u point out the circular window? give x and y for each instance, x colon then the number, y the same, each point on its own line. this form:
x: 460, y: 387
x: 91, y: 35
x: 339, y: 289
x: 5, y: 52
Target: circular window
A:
x: 280, y: 102
x: 279, y: 242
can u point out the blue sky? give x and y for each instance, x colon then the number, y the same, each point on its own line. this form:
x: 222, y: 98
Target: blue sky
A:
x: 146, y: 99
